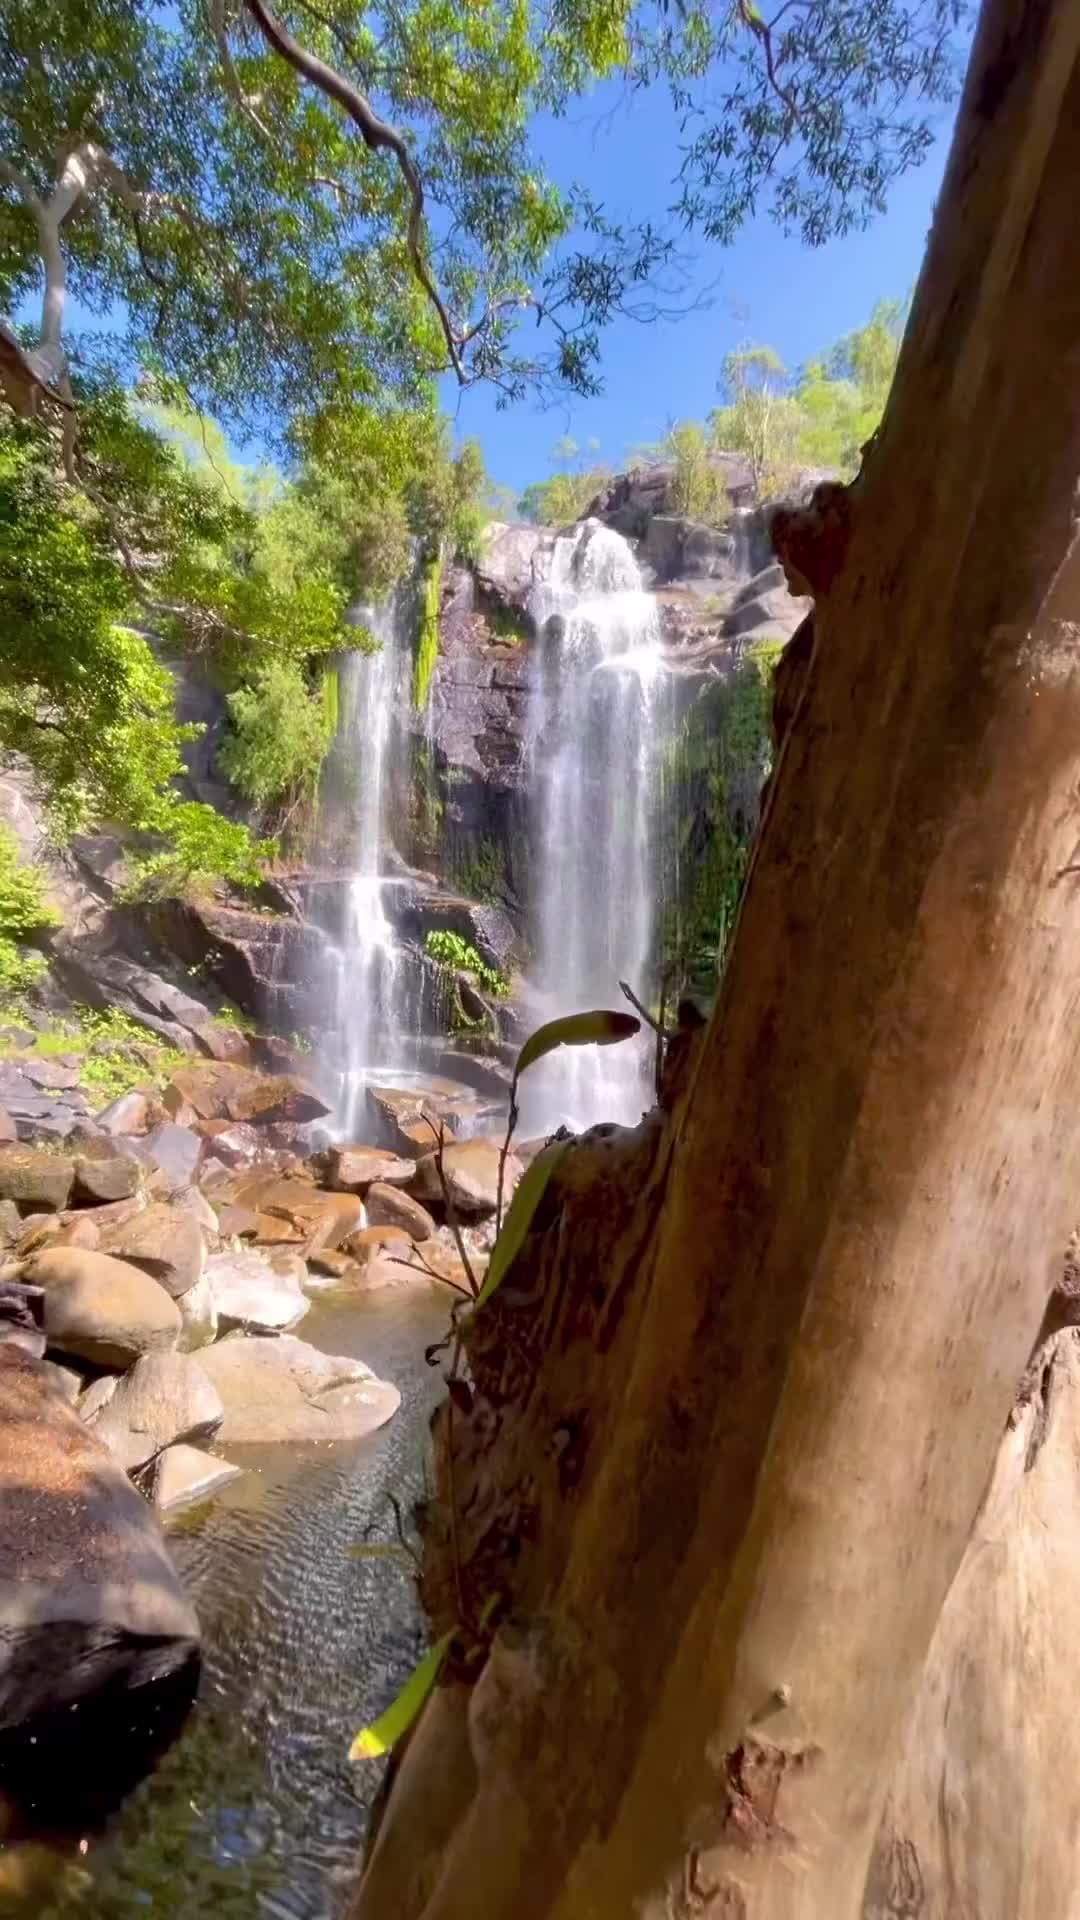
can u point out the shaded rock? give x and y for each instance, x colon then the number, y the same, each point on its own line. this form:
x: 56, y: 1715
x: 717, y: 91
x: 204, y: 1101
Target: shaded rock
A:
x: 35, y: 1179
x: 21, y: 1314
x: 101, y: 1309
x: 472, y: 1175
x: 283, y: 1389
x: 198, y: 1315
x: 386, y: 1207
x: 330, y: 1264
x: 8, y: 1130
x: 83, y: 1231
x: 182, y: 1476
x: 248, y: 1292
x: 175, y: 1150
x: 354, y: 1169
x: 90, y: 1605
x: 191, y: 1201
x: 127, y: 1115
x: 165, y: 1241
x: 101, y: 1178
x: 222, y: 1041
x: 68, y: 1381
x: 49, y: 1074
x: 165, y: 1397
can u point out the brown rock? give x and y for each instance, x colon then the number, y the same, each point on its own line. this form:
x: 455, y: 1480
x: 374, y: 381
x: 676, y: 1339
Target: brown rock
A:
x: 238, y: 1143
x: 355, y: 1169
x: 318, y: 1219
x: 73, y: 1529
x: 178, y: 1107
x: 222, y: 1042
x: 471, y: 1168
x: 183, y: 1476
x: 8, y: 1130
x: 83, y: 1231
x: 35, y: 1179
x: 101, y: 1309
x: 190, y: 1200
x: 166, y: 1242
x: 252, y: 1294
x: 276, y: 1097
x: 334, y: 1265
x: 386, y: 1207
x: 366, y: 1242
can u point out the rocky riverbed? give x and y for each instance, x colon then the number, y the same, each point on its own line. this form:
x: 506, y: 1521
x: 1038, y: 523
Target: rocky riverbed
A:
x: 183, y: 1281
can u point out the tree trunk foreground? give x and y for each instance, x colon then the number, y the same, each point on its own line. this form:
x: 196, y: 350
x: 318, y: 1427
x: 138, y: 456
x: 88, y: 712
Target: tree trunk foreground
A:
x: 737, y: 1405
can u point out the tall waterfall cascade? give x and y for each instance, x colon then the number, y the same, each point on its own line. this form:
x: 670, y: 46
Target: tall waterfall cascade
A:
x: 369, y: 988
x: 598, y: 725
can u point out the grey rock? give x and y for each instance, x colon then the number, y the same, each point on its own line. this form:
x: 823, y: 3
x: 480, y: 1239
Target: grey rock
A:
x: 249, y: 1293
x: 129, y: 1114
x: 101, y: 1179
x: 185, y: 1476
x: 198, y: 1315
x: 471, y: 1168
x: 284, y: 1390
x: 176, y: 1151
x: 166, y: 1397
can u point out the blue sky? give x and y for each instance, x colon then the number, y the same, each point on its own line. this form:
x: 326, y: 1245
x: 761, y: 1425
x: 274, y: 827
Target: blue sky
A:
x: 764, y: 287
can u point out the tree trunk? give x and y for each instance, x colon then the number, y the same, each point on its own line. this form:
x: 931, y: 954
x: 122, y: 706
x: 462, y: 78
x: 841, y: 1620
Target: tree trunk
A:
x: 737, y: 1405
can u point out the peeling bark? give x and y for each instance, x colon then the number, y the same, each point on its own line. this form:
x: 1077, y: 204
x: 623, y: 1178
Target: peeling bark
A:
x: 736, y: 1408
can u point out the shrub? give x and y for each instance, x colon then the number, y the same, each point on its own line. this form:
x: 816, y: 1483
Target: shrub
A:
x: 458, y: 956
x: 281, y: 731
x: 203, y: 848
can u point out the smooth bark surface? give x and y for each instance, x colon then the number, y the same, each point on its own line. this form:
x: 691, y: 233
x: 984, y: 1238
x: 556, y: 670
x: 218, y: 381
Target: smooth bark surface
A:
x: 736, y: 1414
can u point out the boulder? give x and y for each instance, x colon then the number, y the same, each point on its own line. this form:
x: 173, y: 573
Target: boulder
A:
x: 198, y: 1316
x: 68, y: 1381
x: 127, y: 1115
x: 101, y: 1309
x: 21, y: 1314
x: 83, y: 1231
x: 90, y: 1606
x: 165, y: 1397
x: 472, y: 1175
x: 282, y: 1389
x: 248, y: 1292
x: 386, y: 1207
x: 183, y: 1476
x: 176, y: 1151
x: 165, y: 1241
x: 236, y: 1143
x: 34, y: 1179
x: 504, y: 570
x: 329, y: 1266
x: 192, y: 1201
x: 104, y: 1177
x: 355, y: 1169
x: 316, y: 1218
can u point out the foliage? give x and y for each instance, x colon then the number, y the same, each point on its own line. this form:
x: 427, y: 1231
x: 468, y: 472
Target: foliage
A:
x: 698, y: 487
x: 113, y: 1052
x: 20, y: 969
x: 841, y: 398
x: 282, y: 728
x: 563, y: 497
x: 202, y: 849
x: 23, y: 906
x: 759, y: 418
x: 528, y: 1194
x: 426, y: 645
x: 457, y: 954
x: 714, y: 776
x: 478, y: 871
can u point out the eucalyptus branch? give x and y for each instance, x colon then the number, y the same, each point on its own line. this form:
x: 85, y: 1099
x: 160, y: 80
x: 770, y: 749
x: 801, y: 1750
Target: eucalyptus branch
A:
x: 378, y: 136
x: 751, y: 18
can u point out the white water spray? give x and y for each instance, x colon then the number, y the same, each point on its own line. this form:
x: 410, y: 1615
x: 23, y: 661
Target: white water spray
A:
x: 596, y: 720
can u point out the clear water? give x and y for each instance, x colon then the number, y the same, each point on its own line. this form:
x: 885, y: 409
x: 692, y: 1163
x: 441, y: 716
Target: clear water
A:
x: 597, y: 731
x: 255, y: 1813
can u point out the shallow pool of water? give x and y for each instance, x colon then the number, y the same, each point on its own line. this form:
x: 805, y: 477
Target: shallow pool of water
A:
x: 255, y: 1813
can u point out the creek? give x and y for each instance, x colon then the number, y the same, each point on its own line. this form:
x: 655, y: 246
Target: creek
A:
x: 255, y: 1811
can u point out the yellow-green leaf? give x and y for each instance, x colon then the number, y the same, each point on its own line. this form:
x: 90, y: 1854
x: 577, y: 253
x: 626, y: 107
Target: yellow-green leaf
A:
x: 378, y: 1550
x: 384, y: 1733
x: 599, y: 1028
x: 529, y: 1193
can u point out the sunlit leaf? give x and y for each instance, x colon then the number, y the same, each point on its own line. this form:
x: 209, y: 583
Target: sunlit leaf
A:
x: 384, y: 1733
x: 599, y: 1028
x: 378, y: 1550
x: 529, y: 1193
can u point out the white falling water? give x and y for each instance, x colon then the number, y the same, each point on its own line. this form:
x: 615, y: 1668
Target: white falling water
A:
x: 597, y: 714
x: 369, y: 970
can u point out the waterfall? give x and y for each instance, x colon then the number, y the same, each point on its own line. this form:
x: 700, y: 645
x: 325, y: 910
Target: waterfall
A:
x: 368, y: 989
x: 597, y: 718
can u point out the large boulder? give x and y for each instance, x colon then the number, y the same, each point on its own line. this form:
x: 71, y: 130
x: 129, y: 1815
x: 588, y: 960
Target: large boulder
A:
x: 165, y: 1397
x: 282, y: 1389
x: 313, y: 1217
x: 128, y: 1114
x: 91, y: 1611
x: 100, y: 1309
x: 174, y: 1151
x: 471, y: 1168
x: 198, y: 1316
x: 185, y: 1476
x: 225, y: 1091
x: 504, y: 571
x: 102, y: 1178
x: 37, y: 1181
x: 250, y: 1293
x: 165, y: 1241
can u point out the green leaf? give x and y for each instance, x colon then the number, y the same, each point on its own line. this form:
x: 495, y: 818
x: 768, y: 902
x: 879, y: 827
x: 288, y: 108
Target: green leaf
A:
x: 600, y: 1028
x: 384, y: 1733
x: 527, y: 1197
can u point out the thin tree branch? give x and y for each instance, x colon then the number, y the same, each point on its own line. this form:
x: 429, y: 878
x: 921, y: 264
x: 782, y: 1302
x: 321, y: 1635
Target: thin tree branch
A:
x: 378, y: 136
